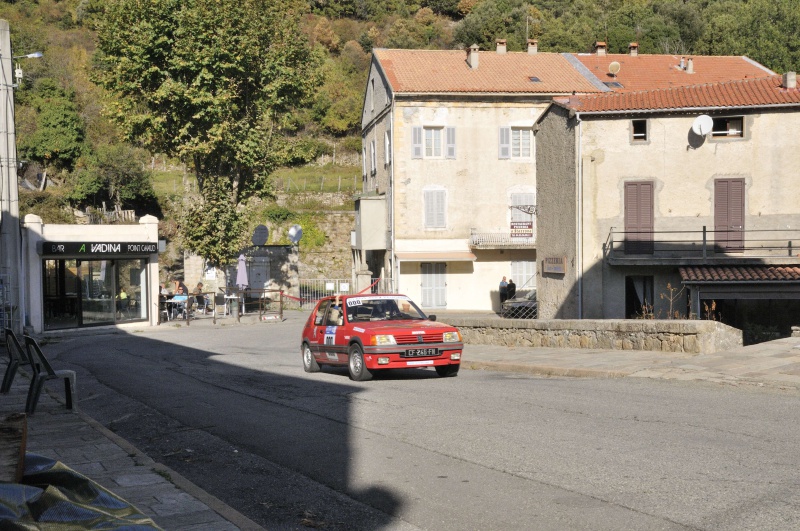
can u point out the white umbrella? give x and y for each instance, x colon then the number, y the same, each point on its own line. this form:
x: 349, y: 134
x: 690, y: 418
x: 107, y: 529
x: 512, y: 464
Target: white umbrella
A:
x: 241, y: 273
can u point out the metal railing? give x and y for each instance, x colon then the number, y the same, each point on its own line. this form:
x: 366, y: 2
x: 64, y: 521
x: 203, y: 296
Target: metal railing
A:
x: 500, y: 239
x: 703, y: 244
x: 312, y: 290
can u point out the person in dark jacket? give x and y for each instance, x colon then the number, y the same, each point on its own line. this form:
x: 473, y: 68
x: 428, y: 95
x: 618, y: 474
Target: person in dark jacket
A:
x: 512, y: 288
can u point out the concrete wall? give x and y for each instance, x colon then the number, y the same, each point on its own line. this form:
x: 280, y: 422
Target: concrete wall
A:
x: 556, y: 181
x: 687, y: 336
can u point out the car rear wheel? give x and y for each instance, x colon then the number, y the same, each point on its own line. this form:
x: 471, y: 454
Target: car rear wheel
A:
x: 309, y: 363
x: 358, y: 370
x: 447, y: 370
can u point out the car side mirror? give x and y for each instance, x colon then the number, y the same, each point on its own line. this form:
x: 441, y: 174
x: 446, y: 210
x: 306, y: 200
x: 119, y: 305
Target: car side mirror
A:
x: 431, y: 317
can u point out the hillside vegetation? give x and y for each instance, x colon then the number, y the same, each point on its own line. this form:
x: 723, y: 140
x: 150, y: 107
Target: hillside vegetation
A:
x: 80, y: 140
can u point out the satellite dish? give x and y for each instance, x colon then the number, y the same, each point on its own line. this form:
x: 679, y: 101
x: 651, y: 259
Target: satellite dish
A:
x: 702, y: 125
x: 260, y: 235
x: 295, y: 233
x: 614, y: 67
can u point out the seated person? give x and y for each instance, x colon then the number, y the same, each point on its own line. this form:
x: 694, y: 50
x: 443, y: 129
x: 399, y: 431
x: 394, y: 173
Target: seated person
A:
x: 179, y: 301
x: 202, y: 300
x: 335, y: 317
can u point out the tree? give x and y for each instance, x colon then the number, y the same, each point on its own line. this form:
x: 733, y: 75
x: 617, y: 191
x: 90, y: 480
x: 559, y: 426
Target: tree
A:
x: 209, y: 82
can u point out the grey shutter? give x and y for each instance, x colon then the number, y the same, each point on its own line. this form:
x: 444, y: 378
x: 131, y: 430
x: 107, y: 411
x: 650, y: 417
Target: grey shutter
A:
x: 729, y: 214
x: 639, y: 221
x: 505, y: 143
x: 434, y: 209
x: 450, y: 152
x: 416, y: 142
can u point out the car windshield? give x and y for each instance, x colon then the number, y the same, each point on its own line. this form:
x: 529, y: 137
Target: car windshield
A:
x: 382, y: 308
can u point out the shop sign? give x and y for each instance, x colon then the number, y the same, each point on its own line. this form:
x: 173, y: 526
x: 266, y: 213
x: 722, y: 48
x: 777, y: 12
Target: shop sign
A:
x: 99, y: 248
x: 522, y: 229
x: 556, y: 265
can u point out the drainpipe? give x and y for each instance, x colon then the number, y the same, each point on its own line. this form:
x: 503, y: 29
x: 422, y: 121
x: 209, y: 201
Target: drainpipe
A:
x: 579, y: 219
x: 395, y: 266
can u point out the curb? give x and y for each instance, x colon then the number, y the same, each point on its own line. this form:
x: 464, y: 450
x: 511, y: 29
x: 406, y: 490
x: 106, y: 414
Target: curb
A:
x: 545, y: 370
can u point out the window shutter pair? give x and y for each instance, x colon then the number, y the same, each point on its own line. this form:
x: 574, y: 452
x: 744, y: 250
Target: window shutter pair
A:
x: 435, y: 204
x: 416, y: 142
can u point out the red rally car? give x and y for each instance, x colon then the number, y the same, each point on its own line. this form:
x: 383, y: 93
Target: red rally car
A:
x: 376, y: 332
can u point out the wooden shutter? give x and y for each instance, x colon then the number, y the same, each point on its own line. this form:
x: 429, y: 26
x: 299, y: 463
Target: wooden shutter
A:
x: 639, y: 221
x: 416, y: 142
x: 505, y: 143
x: 729, y: 214
x: 450, y: 152
x: 435, y: 205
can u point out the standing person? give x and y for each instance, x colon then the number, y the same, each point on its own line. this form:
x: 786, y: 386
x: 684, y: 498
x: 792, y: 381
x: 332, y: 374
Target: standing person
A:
x: 503, y: 290
x: 512, y: 289
x: 180, y: 285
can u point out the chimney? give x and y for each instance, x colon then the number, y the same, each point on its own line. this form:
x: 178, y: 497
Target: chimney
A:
x: 472, y: 57
x: 600, y: 48
x: 690, y: 65
x: 682, y: 64
x: 633, y: 48
x: 533, y: 46
x: 790, y: 80
x: 501, y: 45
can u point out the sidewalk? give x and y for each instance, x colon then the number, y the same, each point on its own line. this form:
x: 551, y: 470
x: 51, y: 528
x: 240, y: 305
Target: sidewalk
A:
x: 87, y: 447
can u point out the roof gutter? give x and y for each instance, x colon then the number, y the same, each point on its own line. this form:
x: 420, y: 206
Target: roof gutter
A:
x: 677, y: 110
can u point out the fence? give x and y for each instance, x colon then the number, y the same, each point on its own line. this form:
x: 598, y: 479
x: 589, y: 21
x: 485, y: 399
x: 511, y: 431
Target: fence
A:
x: 267, y: 303
x: 314, y: 289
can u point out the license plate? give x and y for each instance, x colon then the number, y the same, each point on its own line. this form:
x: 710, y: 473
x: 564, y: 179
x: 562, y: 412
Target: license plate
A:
x: 421, y: 352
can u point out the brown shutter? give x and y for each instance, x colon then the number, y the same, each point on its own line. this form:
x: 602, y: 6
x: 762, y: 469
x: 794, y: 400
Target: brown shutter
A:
x: 729, y: 214
x: 639, y: 222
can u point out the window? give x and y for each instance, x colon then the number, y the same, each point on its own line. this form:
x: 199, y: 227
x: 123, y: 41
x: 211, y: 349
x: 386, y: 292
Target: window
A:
x: 515, y: 142
x: 639, y: 130
x: 523, y: 273
x: 435, y: 206
x: 526, y: 203
x: 364, y: 163
x: 387, y: 157
x: 372, y: 94
x: 372, y: 157
x: 433, y: 142
x: 732, y: 126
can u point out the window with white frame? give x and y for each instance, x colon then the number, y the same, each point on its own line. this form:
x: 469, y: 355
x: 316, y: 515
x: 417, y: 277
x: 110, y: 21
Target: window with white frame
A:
x: 524, y: 203
x: 364, y: 163
x: 373, y: 158
x: 728, y: 126
x: 639, y: 130
x: 434, y: 142
x: 516, y: 142
x: 435, y: 201
x: 387, y: 157
x: 523, y: 273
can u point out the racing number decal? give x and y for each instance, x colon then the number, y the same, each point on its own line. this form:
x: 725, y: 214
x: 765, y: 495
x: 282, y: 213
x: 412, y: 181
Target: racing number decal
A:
x: 330, y: 339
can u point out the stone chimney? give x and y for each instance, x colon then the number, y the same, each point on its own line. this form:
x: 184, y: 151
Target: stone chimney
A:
x: 790, y: 80
x: 533, y: 46
x: 501, y: 45
x: 690, y: 65
x: 600, y: 48
x: 633, y: 48
x: 682, y: 64
x: 472, y: 57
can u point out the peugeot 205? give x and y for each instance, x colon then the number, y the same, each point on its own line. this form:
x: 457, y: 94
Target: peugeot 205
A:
x: 368, y: 333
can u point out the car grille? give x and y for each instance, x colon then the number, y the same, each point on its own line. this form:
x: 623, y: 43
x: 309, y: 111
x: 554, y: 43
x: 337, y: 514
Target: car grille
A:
x: 409, y: 339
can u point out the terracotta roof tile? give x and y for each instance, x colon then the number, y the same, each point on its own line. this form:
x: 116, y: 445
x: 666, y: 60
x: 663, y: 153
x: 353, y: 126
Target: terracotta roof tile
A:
x: 648, y: 72
x: 447, y: 71
x: 730, y: 94
x: 758, y: 273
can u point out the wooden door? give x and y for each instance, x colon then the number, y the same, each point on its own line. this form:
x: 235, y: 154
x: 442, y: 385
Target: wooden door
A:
x: 639, y: 221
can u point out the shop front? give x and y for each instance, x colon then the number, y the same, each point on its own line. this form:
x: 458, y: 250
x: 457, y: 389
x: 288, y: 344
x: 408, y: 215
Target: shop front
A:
x: 78, y: 277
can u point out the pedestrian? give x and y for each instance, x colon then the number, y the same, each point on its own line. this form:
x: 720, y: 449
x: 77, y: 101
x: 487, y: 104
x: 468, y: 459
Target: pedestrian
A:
x: 503, y: 290
x: 511, y: 289
x: 180, y: 285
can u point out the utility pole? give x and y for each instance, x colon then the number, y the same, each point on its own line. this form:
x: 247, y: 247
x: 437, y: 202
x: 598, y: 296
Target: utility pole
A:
x: 10, y: 246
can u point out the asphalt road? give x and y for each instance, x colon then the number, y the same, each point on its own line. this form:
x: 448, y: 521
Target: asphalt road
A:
x: 231, y: 409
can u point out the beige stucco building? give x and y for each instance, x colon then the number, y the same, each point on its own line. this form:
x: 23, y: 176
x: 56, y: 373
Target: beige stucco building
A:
x: 450, y: 164
x: 679, y: 201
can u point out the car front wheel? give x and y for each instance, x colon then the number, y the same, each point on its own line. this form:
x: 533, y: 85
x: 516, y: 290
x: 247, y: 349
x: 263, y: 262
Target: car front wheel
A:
x: 447, y: 370
x: 358, y: 370
x: 309, y: 363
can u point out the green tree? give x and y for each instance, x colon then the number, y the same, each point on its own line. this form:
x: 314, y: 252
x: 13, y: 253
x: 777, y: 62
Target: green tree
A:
x: 57, y: 137
x: 209, y: 82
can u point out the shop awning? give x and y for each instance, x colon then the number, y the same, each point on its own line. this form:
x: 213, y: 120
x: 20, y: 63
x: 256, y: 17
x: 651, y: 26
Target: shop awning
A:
x: 437, y: 256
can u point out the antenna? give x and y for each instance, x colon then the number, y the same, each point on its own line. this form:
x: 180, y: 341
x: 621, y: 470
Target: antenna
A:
x: 614, y: 68
x: 295, y: 233
x: 702, y: 125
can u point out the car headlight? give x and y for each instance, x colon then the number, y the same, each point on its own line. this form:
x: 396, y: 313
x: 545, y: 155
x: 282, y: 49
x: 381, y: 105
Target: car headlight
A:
x: 451, y: 337
x: 387, y: 339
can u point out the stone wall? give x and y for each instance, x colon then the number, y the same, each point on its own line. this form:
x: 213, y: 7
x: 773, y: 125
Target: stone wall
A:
x: 686, y: 336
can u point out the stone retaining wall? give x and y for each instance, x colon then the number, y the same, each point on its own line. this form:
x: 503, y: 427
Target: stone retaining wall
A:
x: 687, y: 336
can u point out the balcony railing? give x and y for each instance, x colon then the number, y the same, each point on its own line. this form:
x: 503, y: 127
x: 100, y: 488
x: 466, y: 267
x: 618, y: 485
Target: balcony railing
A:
x: 501, y: 240
x: 703, y: 246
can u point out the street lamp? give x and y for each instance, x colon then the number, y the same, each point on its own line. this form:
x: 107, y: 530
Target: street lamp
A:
x: 18, y: 70
x: 12, y: 290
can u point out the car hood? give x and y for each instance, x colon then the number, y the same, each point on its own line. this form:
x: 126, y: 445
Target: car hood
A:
x: 378, y: 327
